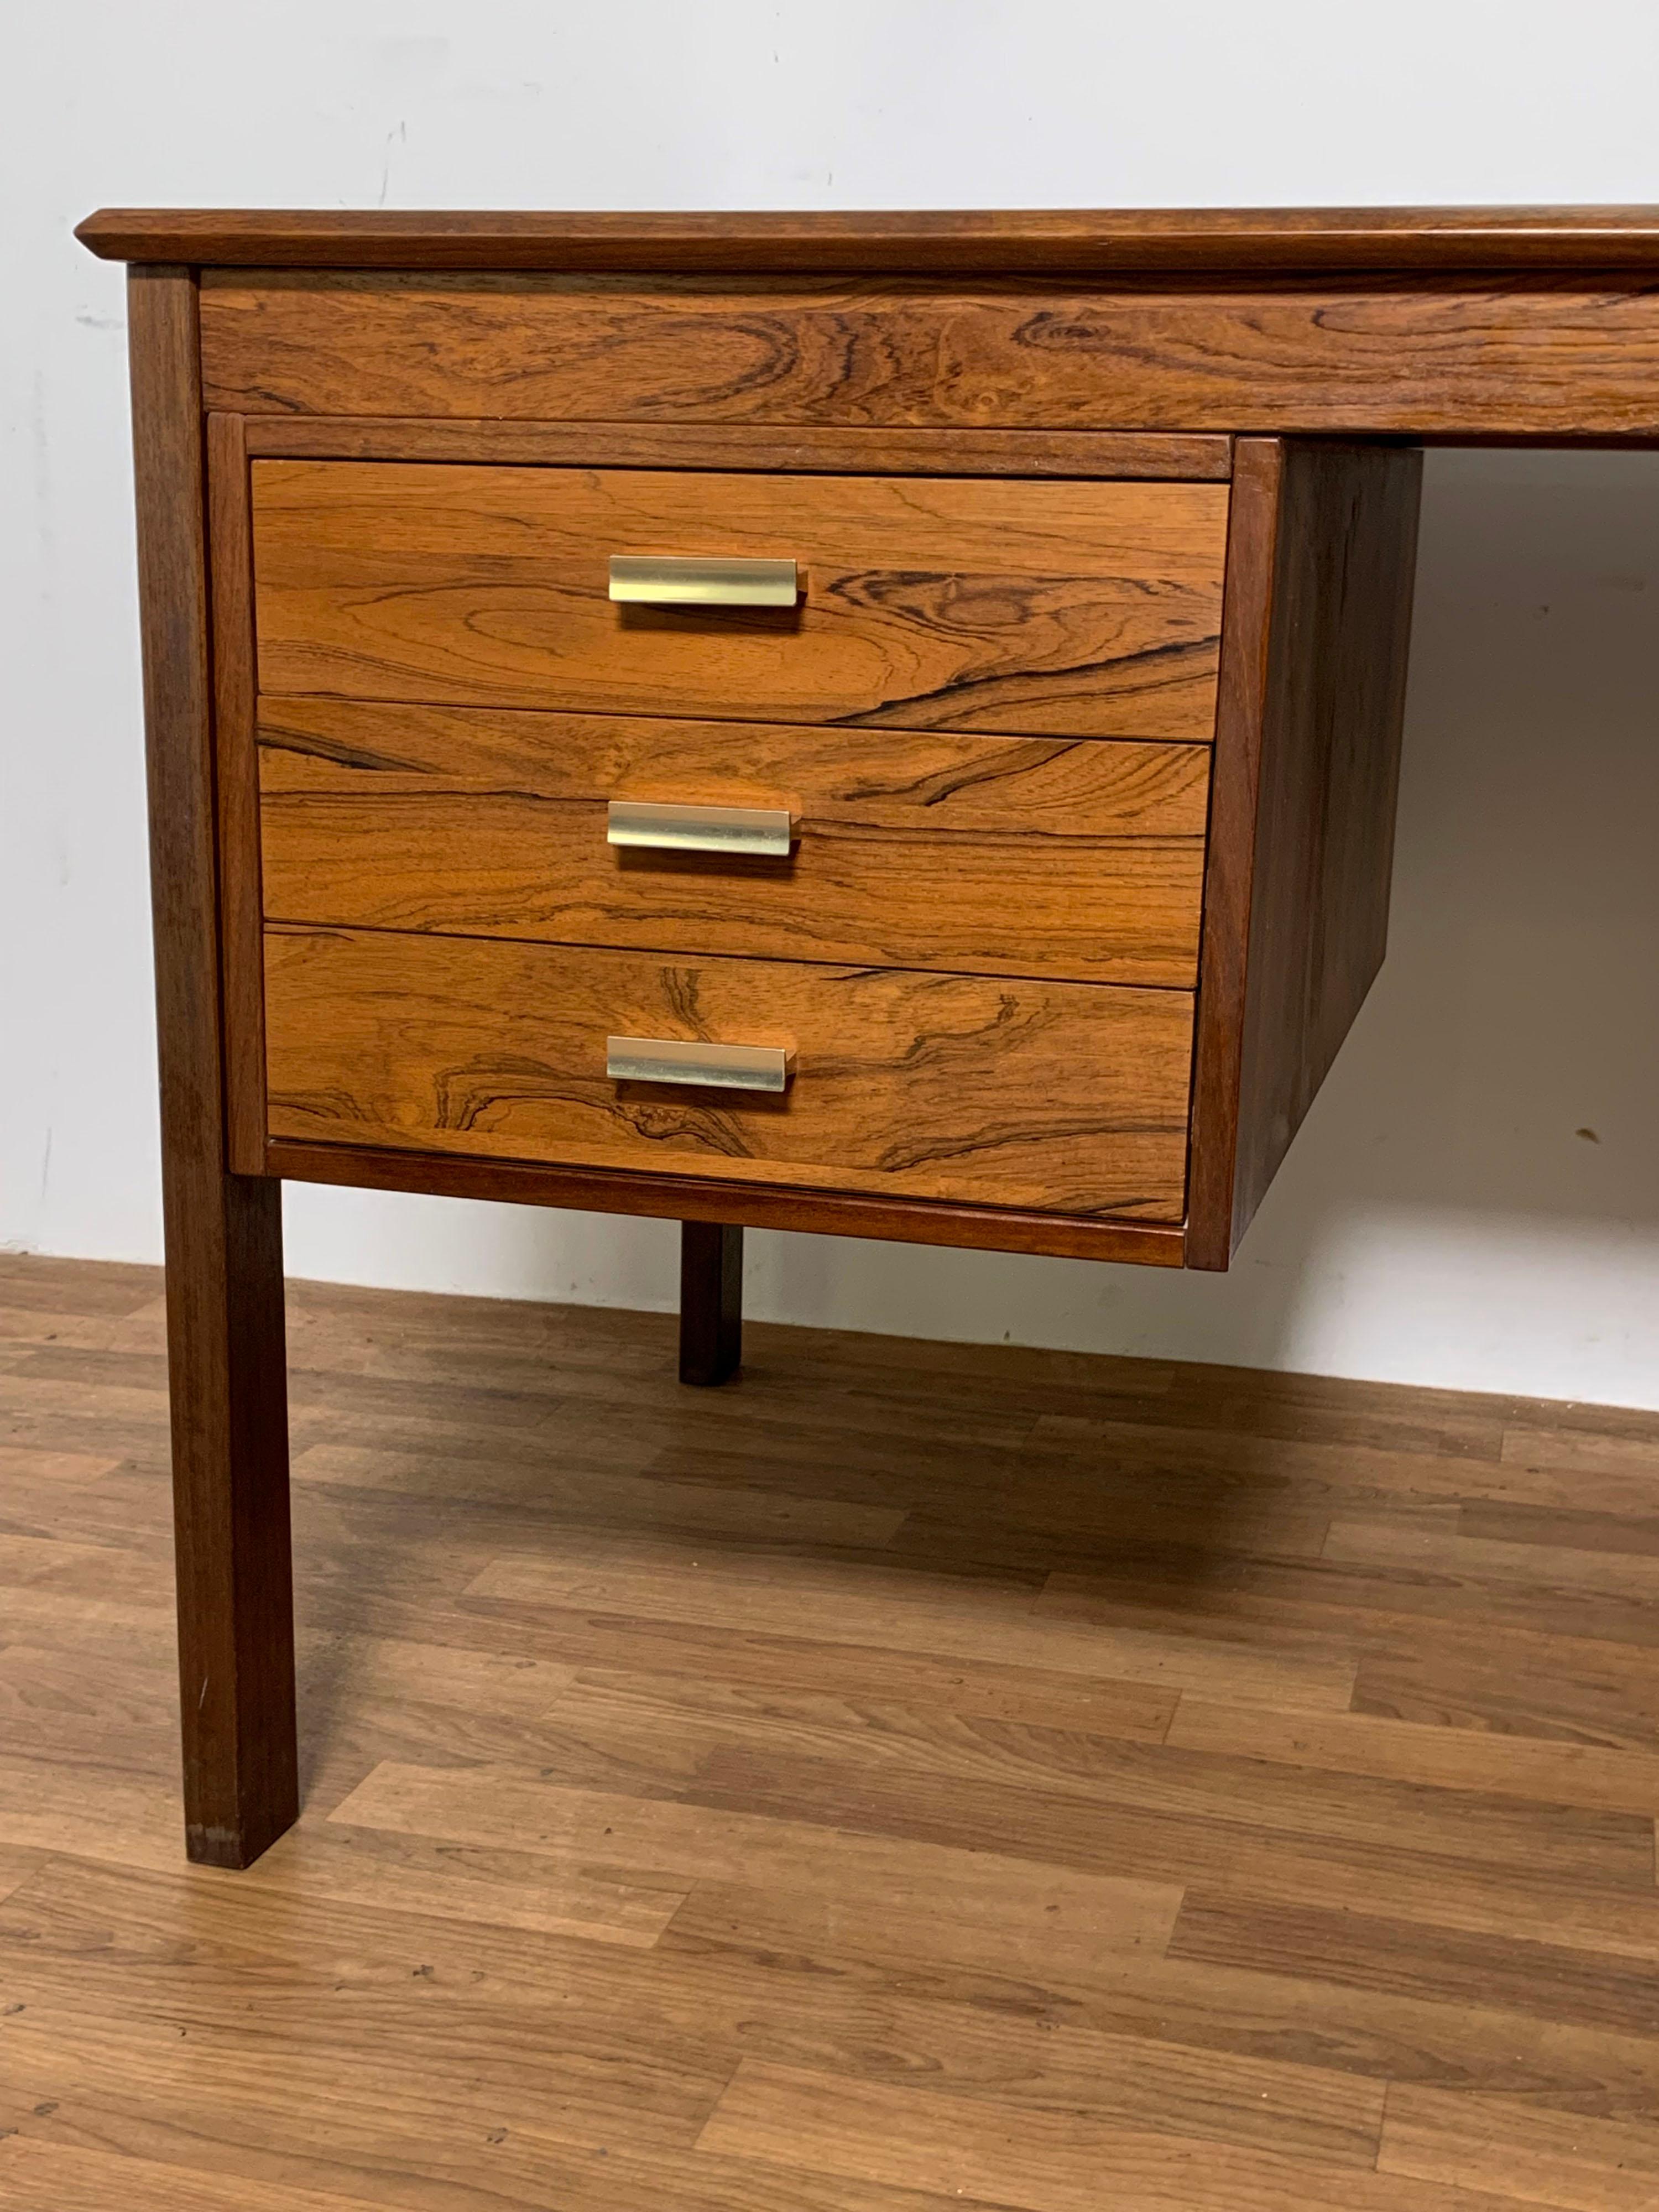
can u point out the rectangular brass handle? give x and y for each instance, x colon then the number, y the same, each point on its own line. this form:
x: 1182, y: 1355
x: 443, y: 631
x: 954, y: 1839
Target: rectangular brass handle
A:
x: 767, y: 833
x: 711, y: 1067
x: 654, y: 579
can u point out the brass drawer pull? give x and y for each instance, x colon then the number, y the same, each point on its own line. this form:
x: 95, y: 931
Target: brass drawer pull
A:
x: 767, y: 833
x: 653, y: 579
x: 712, y: 1067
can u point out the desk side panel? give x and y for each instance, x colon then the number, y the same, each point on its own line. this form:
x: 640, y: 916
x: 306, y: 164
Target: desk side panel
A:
x: 1302, y: 828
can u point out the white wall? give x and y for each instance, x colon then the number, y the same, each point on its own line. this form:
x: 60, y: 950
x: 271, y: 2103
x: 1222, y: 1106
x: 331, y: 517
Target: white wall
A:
x: 1441, y: 1217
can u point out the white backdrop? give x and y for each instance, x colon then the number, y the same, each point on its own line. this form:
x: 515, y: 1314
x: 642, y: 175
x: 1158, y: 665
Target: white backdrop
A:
x: 1474, y: 1201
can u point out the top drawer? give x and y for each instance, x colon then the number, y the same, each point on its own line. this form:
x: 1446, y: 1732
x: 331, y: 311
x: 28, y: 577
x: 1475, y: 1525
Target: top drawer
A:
x: 1072, y: 609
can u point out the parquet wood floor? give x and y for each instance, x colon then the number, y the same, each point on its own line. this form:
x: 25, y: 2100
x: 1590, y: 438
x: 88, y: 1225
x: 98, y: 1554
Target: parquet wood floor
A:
x: 916, y: 1775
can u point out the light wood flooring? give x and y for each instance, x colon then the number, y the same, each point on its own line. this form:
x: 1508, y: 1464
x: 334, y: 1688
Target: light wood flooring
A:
x: 915, y: 1776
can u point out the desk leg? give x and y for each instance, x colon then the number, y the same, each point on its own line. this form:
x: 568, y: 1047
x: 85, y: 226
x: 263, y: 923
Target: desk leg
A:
x: 711, y: 1302
x: 224, y: 1236
x: 230, y: 1502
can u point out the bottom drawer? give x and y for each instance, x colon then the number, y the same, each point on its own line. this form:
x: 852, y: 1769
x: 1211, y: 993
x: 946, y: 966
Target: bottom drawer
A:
x: 1070, y: 1098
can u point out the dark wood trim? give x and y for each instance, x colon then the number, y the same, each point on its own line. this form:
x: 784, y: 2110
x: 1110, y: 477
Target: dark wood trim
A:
x: 236, y: 753
x: 689, y: 1198
x: 1072, y: 243
x: 1251, y: 539
x: 711, y: 1302
x: 1206, y: 458
x: 1344, y: 565
x: 224, y: 1274
x: 1320, y: 560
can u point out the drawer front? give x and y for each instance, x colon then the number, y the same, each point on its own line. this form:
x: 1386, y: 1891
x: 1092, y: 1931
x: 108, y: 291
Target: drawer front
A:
x: 1069, y: 1097
x: 1069, y: 857
x: 1471, y: 356
x: 1070, y: 608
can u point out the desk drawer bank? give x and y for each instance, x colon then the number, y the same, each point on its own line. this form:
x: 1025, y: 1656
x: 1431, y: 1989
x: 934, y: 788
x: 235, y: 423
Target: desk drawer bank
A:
x: 885, y: 725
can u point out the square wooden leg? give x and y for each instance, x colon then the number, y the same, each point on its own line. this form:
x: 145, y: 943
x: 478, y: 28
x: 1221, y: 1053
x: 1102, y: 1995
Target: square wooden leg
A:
x: 711, y: 1302
x: 228, y: 1380
x: 224, y: 1234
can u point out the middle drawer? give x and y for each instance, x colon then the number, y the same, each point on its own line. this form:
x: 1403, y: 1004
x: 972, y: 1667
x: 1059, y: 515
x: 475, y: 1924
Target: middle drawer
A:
x: 1040, y: 856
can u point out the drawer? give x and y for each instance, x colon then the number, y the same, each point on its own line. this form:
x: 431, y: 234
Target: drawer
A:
x: 1048, y: 856
x: 1069, y: 1097
x: 1069, y: 608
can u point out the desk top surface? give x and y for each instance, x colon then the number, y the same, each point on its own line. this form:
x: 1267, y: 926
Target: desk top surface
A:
x: 1083, y: 244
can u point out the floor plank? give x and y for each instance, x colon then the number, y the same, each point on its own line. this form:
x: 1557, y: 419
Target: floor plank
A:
x: 1049, y: 2162
x: 1591, y: 1988
x: 619, y: 1500
x: 1516, y: 1683
x: 1547, y: 1770
x: 1541, y: 2157
x: 945, y: 1614
x: 44, y: 2177
x: 1385, y: 2034
x: 100, y: 1812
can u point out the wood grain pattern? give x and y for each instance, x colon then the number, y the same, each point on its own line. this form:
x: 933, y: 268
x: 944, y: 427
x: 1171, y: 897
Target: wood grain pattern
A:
x: 990, y: 2152
x: 1053, y: 1096
x: 1624, y: 1779
x: 223, y: 1230
x: 1569, y: 1982
x: 993, y: 855
x: 1079, y: 608
x: 1321, y: 559
x: 722, y: 1800
x: 947, y: 1615
x: 835, y: 451
x: 1070, y: 240
x: 50, y: 2176
x: 1505, y: 2145
x: 1425, y: 357
x: 702, y: 1197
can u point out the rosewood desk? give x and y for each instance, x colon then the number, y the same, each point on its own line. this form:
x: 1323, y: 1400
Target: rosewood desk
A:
x: 878, y: 724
